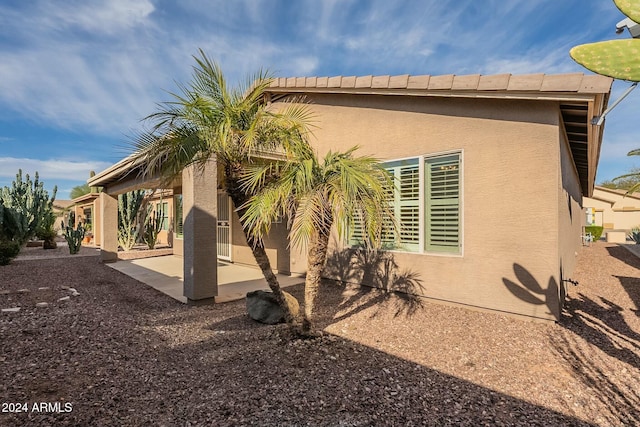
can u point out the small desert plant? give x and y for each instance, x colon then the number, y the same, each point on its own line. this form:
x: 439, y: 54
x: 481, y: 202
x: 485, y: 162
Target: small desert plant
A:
x: 152, y: 227
x: 8, y: 250
x: 635, y: 235
x: 73, y: 237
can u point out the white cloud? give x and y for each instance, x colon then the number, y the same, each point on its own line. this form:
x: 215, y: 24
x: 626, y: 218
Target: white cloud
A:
x: 110, y: 17
x: 81, y: 64
x: 50, y: 169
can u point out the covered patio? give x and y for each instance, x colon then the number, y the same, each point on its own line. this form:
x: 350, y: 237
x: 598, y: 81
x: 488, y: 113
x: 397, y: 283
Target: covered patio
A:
x: 209, y: 235
x: 165, y: 273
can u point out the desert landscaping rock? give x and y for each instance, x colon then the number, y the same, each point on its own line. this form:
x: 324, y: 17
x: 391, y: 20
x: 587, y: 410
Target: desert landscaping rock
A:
x: 44, y: 288
x: 67, y: 298
x: 383, y: 360
x: 10, y: 310
x: 263, y: 307
x: 23, y: 291
x: 42, y: 304
x: 4, y: 292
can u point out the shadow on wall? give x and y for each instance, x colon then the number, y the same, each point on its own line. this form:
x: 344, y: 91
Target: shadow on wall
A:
x: 375, y: 269
x: 529, y: 290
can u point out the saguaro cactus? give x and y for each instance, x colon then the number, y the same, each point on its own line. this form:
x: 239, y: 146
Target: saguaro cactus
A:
x: 152, y: 227
x: 73, y: 237
x: 128, y: 207
x: 31, y: 202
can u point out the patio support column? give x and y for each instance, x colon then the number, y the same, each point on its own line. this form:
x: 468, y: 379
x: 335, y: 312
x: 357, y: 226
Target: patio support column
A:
x: 108, y: 227
x: 199, y: 204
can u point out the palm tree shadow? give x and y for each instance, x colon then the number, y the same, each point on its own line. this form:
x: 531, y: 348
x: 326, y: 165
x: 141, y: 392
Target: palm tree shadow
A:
x: 603, y: 325
x: 529, y: 290
x: 381, y: 278
x: 624, y: 255
x: 632, y: 286
x: 621, y: 399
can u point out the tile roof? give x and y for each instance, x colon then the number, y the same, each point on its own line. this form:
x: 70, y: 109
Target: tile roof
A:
x: 574, y: 82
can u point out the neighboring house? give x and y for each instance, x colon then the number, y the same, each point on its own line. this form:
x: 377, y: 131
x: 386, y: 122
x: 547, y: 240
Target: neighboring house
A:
x: 491, y: 172
x: 614, y: 209
x: 61, y: 210
x: 87, y: 210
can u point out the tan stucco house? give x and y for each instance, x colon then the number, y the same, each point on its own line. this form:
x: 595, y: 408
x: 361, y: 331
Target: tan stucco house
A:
x: 491, y: 173
x: 614, y: 209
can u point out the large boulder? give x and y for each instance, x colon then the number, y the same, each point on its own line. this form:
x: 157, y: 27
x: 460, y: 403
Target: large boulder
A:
x: 263, y: 307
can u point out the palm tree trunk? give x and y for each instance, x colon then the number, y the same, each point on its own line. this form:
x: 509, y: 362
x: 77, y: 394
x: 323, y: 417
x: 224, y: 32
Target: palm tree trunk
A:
x: 318, y: 246
x: 257, y: 247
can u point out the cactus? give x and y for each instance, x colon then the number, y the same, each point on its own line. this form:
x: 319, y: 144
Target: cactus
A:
x: 152, y: 227
x: 631, y: 8
x: 619, y: 59
x: 128, y: 207
x: 13, y: 225
x: 31, y: 203
x: 73, y: 237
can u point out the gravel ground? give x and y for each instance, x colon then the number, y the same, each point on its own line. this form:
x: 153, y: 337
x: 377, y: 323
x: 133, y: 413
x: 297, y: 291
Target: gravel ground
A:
x: 122, y: 354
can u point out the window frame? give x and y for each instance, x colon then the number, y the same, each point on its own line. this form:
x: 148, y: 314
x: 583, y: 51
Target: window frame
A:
x: 178, y: 231
x: 422, y: 219
x: 163, y: 207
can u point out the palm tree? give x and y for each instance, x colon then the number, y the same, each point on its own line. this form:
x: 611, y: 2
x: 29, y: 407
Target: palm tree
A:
x: 343, y: 190
x: 79, y: 190
x: 209, y: 120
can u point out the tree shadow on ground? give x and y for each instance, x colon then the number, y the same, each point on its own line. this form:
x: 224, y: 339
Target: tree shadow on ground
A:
x: 632, y: 286
x: 587, y: 323
x: 603, y: 326
x: 624, y: 255
x: 365, y: 278
x: 622, y: 400
x: 335, y: 381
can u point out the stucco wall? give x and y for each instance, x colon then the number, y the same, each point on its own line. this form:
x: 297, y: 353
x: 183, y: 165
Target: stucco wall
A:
x: 571, y: 218
x: 276, y: 246
x: 510, y: 188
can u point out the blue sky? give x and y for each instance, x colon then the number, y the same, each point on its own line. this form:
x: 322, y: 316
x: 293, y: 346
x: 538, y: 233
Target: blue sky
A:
x: 77, y: 76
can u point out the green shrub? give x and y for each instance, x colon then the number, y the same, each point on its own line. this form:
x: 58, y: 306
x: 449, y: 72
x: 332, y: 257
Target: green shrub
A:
x: 8, y: 251
x: 595, y: 230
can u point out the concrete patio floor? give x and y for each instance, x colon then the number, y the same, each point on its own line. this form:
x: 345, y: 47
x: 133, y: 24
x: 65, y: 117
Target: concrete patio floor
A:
x: 165, y: 274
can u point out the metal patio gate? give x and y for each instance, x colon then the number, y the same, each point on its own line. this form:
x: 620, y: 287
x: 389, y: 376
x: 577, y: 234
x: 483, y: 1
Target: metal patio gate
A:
x: 224, y: 226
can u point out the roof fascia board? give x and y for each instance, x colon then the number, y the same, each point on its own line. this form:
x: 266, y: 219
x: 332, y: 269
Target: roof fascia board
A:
x: 536, y: 96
